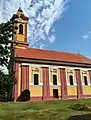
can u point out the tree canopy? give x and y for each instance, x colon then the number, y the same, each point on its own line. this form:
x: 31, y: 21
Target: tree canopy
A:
x: 7, y: 31
x: 7, y: 82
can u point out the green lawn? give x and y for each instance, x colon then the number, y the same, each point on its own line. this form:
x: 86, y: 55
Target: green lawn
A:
x: 46, y: 110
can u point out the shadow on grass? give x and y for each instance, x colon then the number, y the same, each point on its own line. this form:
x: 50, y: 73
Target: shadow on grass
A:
x: 32, y: 108
x: 80, y: 117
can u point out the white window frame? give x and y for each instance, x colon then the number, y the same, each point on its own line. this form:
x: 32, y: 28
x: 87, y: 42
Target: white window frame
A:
x: 68, y: 73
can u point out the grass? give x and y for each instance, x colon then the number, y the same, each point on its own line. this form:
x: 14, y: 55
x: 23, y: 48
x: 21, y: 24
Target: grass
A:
x: 45, y: 110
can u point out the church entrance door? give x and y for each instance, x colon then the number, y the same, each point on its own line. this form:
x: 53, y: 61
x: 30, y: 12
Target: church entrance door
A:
x: 55, y: 93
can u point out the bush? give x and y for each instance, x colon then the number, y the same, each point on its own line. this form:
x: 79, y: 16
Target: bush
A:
x: 80, y: 107
x: 32, y: 108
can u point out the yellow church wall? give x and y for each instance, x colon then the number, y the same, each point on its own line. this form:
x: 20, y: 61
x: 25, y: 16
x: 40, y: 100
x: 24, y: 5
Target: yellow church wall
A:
x: 54, y: 73
x: 40, y: 72
x: 70, y: 72
x: 86, y: 90
x: 21, y: 21
x: 55, y: 87
x: 32, y: 72
x: 23, y: 28
x: 20, y: 47
x: 58, y: 80
x: 74, y: 76
x: 35, y: 91
x: 72, y: 90
x: 19, y: 79
x: 84, y: 73
x: 82, y: 80
x: 20, y: 37
x: 50, y: 75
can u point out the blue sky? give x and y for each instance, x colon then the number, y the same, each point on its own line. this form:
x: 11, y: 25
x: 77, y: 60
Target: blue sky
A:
x: 52, y: 29
x: 73, y: 29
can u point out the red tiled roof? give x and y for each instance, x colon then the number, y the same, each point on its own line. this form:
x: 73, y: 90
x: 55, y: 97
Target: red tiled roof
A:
x: 51, y: 55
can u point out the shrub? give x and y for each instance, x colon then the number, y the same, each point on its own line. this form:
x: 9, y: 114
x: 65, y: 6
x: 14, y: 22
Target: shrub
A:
x: 80, y: 107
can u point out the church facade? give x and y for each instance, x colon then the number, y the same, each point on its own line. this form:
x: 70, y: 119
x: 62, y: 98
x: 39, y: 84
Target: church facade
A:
x: 47, y: 75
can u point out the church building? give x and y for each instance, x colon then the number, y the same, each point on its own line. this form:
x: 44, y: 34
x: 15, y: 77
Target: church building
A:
x: 47, y: 75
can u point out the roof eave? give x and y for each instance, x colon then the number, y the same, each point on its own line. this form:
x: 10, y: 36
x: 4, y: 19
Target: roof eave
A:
x: 66, y: 63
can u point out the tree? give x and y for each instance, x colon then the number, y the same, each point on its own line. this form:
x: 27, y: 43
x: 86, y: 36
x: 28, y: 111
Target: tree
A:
x: 6, y: 86
x: 7, y: 31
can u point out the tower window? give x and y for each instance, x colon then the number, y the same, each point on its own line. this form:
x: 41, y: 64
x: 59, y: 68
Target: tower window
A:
x: 54, y: 79
x: 71, y: 79
x: 36, y: 81
x: 85, y: 80
x: 20, y: 29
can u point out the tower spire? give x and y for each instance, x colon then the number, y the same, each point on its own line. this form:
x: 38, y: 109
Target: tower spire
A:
x: 20, y: 38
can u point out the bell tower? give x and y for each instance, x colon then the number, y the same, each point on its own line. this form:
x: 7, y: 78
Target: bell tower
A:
x: 20, y: 38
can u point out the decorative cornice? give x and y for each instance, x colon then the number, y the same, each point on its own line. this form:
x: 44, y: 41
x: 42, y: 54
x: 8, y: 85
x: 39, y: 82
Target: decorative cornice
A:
x: 53, y: 63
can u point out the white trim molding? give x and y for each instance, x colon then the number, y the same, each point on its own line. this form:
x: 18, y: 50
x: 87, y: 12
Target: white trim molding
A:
x: 58, y: 84
x: 74, y: 84
x: 28, y: 64
x: 40, y: 83
x: 89, y: 84
x: 51, y: 83
x: 83, y: 84
x: 86, y: 85
x: 55, y: 66
x: 32, y: 84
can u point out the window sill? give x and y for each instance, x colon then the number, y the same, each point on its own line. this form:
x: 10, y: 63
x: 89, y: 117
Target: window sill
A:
x: 59, y: 84
x: 72, y: 85
x: 32, y: 84
x: 86, y: 85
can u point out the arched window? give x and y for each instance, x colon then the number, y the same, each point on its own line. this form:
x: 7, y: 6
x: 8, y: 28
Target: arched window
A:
x: 20, y: 29
x: 36, y: 80
x: 71, y: 79
x: 54, y: 79
x: 85, y: 80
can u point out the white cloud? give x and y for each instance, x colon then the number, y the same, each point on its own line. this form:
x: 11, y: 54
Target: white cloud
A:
x: 41, y: 46
x: 86, y: 36
x: 42, y: 15
x: 52, y: 38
